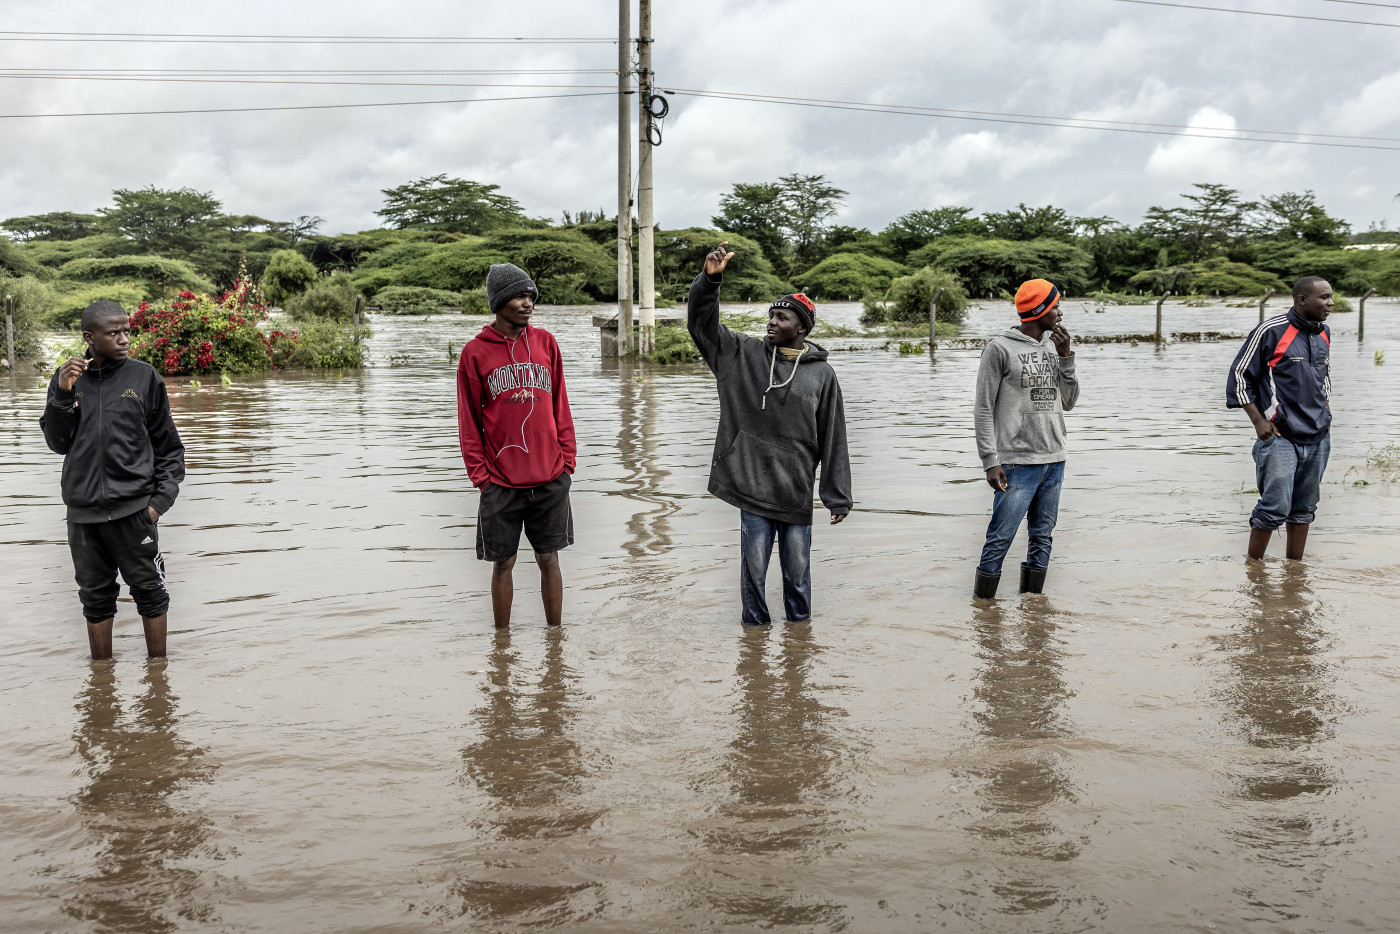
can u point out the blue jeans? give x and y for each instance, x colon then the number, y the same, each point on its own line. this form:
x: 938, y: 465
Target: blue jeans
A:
x: 1290, y: 481
x: 756, y: 536
x: 1031, y: 490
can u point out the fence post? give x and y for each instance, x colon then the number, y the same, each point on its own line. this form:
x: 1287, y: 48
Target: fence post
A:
x: 10, y: 331
x: 1165, y: 296
x: 1264, y: 301
x: 359, y: 315
x: 933, y: 321
x: 1360, y: 315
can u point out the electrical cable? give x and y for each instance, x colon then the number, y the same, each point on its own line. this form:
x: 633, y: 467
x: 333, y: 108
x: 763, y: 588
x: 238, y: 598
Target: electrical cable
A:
x: 58, y: 36
x: 239, y: 110
x: 1050, y: 119
x: 1070, y: 126
x: 1388, y: 6
x: 305, y: 83
x: 1221, y: 9
x: 265, y: 72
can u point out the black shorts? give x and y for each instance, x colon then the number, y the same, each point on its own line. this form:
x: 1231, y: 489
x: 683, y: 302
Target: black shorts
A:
x: 543, y: 511
x: 130, y: 545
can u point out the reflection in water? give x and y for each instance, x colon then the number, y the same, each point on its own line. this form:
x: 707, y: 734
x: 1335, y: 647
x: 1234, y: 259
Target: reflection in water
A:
x: 532, y: 769
x: 1278, y: 694
x: 1020, y: 765
x: 785, y: 779
x: 649, y: 528
x: 136, y: 765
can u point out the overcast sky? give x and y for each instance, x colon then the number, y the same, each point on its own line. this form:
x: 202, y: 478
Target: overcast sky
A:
x: 1069, y: 58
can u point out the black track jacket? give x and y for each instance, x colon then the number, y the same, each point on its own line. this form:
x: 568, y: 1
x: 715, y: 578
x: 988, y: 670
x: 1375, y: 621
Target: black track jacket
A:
x: 122, y: 450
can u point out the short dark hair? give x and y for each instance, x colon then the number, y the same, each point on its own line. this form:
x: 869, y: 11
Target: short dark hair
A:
x: 1303, y: 284
x: 97, y: 312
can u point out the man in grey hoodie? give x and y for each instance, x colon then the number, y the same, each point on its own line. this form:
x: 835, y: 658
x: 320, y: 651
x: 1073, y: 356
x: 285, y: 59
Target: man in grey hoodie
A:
x: 766, y: 455
x: 1023, y: 391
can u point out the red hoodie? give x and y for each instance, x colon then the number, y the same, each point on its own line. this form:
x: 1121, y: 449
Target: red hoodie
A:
x: 512, y: 410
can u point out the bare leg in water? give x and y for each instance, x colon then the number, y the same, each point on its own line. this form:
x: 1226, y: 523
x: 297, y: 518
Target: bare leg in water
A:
x: 100, y: 638
x: 154, y: 627
x: 1259, y: 542
x: 1297, y: 540
x: 551, y: 587
x: 502, y: 591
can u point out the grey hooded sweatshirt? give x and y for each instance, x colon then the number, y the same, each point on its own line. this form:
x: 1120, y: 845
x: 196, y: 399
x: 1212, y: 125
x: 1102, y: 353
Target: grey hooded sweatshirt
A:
x: 1023, y: 390
x: 766, y: 452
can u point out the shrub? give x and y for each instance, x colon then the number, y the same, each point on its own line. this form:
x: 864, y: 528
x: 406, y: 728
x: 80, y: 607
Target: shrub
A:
x: 674, y: 345
x: 72, y: 297
x: 54, y: 253
x: 565, y: 265
x: 1002, y: 265
x: 288, y: 274
x: 474, y: 302
x: 680, y: 255
x: 319, y: 344
x: 910, y: 297
x: 1210, y: 276
x: 33, y: 305
x: 370, y: 281
x: 416, y: 300
x: 332, y: 297
x: 849, y: 276
x: 159, y: 275
x: 196, y: 334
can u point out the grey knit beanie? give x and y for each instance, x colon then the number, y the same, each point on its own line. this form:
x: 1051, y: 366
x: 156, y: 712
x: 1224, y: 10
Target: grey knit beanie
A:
x: 504, y: 282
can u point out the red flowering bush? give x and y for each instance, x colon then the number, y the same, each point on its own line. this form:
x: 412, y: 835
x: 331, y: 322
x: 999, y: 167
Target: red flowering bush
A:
x: 198, y: 334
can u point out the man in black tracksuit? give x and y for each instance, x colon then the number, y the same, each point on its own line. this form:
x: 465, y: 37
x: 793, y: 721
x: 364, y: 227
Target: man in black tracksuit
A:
x: 123, y: 464
x: 780, y: 415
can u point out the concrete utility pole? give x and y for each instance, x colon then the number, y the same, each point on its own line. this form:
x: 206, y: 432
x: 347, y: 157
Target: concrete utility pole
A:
x: 624, y: 178
x: 1360, y: 316
x: 1264, y: 301
x: 646, y: 234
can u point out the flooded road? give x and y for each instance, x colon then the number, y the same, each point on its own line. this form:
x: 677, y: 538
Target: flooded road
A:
x: 1167, y: 740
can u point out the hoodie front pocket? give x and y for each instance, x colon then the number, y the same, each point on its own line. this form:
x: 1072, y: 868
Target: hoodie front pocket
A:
x: 765, y: 472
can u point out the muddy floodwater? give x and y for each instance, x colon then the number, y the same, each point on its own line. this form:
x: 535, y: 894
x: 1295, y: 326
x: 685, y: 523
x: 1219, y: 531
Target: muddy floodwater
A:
x: 1168, y: 739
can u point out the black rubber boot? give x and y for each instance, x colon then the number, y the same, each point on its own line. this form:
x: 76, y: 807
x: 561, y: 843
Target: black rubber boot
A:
x: 985, y: 587
x: 1032, y: 579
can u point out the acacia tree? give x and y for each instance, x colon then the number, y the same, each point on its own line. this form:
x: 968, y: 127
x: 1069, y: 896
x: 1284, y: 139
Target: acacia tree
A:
x: 56, y: 225
x: 1295, y: 216
x: 163, y: 221
x: 908, y: 232
x: 756, y: 212
x: 808, y: 202
x: 454, y: 204
x: 1216, y: 219
x: 1023, y: 223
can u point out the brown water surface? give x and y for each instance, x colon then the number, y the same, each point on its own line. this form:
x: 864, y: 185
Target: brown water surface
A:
x: 1169, y: 739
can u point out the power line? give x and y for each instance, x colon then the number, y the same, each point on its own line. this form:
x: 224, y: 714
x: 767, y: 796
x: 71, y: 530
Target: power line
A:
x: 44, y: 36
x: 1085, y: 121
x: 35, y: 72
x: 303, y: 82
x: 1221, y: 9
x: 239, y: 110
x: 1388, y: 6
x: 872, y: 108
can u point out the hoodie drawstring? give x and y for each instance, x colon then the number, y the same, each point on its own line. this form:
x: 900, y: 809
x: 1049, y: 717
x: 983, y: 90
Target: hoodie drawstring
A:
x: 772, y: 368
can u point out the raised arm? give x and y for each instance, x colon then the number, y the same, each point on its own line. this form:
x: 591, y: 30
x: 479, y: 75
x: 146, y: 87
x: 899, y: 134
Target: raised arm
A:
x: 60, y: 419
x: 712, y: 339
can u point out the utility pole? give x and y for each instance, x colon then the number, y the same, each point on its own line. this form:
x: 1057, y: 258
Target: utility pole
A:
x: 646, y: 234
x: 624, y: 178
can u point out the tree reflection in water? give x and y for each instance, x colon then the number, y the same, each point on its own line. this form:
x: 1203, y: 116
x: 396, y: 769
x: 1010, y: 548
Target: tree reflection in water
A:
x: 136, y: 766
x: 533, y: 771
x: 1278, y: 695
x: 1020, y: 766
x: 787, y: 778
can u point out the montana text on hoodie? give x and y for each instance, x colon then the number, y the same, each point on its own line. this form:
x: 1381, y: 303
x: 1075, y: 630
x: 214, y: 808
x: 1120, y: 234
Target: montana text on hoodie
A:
x: 513, y: 418
x: 1023, y: 390
x: 766, y: 453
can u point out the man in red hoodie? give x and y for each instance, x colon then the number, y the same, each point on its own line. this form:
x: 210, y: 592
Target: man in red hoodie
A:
x: 517, y: 440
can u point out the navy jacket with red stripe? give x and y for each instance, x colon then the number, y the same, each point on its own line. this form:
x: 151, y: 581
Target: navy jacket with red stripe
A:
x: 1285, y: 368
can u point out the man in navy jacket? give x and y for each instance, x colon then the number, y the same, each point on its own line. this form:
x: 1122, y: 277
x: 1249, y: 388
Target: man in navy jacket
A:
x: 1282, y: 378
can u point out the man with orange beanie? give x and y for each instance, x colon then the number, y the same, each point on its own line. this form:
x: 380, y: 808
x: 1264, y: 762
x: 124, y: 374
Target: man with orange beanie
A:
x: 1025, y: 384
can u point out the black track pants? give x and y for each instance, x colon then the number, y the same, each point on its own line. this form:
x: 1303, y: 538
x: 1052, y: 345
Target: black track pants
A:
x: 130, y: 545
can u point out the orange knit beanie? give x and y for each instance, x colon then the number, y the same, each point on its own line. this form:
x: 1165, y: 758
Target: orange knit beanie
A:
x: 1035, y: 297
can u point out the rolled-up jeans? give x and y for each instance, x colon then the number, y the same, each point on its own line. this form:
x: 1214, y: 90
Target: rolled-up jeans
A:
x: 1032, y: 493
x: 756, y: 535
x: 1290, y: 481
